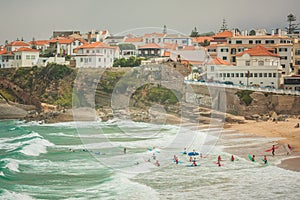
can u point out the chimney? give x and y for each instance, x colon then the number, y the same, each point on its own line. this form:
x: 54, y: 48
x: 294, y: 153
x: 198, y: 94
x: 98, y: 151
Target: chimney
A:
x: 243, y: 33
x: 273, y: 32
x: 246, y: 32
x: 279, y: 32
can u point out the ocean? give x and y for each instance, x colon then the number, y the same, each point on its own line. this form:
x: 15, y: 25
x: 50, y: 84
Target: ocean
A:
x: 117, y: 160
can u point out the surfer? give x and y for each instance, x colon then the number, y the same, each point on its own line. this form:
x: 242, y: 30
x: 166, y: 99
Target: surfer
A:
x: 273, y: 150
x: 157, y: 163
x: 124, y: 150
x: 265, y: 159
x: 253, y: 158
x: 201, y: 155
x: 219, y: 158
x: 154, y: 156
x: 194, y: 162
x: 232, y: 158
x: 191, y: 159
x: 184, y: 151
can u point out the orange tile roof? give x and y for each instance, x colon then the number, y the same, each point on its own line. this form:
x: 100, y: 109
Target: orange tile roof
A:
x: 189, y: 48
x: 94, y: 45
x: 18, y: 43
x: 150, y: 46
x: 166, y: 54
x: 3, y: 51
x: 65, y: 40
x: 258, y: 51
x: 135, y: 39
x: 39, y: 42
x: 224, y: 34
x: 219, y: 61
x: 201, y: 39
x: 26, y: 49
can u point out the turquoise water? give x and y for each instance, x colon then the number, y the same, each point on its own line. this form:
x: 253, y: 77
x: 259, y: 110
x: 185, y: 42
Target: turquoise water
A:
x: 86, y: 160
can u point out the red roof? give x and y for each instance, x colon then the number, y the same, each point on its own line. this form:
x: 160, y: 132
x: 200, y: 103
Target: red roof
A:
x: 171, y: 46
x: 201, y: 39
x: 39, y: 42
x: 219, y: 61
x: 18, y: 43
x: 150, y: 46
x: 166, y: 54
x: 135, y: 39
x: 258, y: 51
x: 224, y: 34
x: 94, y: 45
x: 189, y: 48
x: 3, y: 51
x: 26, y: 49
x: 65, y: 40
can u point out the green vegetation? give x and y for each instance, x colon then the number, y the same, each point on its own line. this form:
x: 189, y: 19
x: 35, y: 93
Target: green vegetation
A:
x: 244, y: 96
x: 130, y: 62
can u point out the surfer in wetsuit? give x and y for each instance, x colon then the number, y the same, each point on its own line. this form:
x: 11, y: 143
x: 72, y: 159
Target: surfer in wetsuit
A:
x: 253, y: 158
x: 232, y: 158
x: 219, y: 158
x: 273, y: 150
x: 194, y: 162
x: 265, y: 159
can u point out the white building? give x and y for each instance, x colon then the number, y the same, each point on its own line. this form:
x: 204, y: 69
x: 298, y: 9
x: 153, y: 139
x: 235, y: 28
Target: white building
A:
x: 14, y: 45
x: 281, y: 45
x: 41, y: 45
x: 256, y: 66
x: 97, y: 55
x: 178, y: 39
x: 65, y: 46
x: 21, y: 57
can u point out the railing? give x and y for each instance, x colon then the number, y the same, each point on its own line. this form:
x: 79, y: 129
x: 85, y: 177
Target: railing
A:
x: 244, y: 87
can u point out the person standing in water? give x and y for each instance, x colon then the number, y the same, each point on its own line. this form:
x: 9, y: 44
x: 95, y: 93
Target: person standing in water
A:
x: 273, y: 150
x: 232, y: 158
x: 253, y: 158
x: 124, y: 150
x: 265, y: 159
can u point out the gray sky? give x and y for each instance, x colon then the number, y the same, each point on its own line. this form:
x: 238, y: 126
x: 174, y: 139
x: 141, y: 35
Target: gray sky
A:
x: 37, y: 18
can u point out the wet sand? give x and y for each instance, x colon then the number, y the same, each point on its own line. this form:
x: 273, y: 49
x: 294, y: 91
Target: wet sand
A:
x: 279, y: 133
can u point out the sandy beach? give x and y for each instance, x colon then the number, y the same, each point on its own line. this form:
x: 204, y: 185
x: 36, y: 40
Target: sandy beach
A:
x: 280, y: 133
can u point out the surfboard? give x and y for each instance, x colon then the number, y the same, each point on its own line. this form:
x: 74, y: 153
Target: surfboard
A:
x: 193, y: 154
x: 264, y: 161
x: 276, y: 147
x: 250, y: 158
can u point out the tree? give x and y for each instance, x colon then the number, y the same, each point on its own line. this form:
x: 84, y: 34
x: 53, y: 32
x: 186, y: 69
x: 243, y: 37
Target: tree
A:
x: 292, y: 26
x: 194, y: 33
x: 252, y: 32
x: 205, y: 43
x: 224, y: 26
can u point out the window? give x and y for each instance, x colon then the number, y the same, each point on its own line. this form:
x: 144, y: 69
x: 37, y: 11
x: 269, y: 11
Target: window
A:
x: 233, y: 51
x: 255, y: 74
x: 32, y: 57
x: 239, y: 42
x: 297, y: 51
x: 212, y: 68
x: 247, y: 62
x: 27, y: 57
x: 269, y: 41
x: 224, y: 74
x: 74, y: 43
x: 297, y: 62
x: 228, y: 75
x: 257, y: 41
x: 250, y: 41
x: 93, y: 51
x: 274, y: 75
x: 283, y: 66
x: 97, y: 51
x: 104, y: 59
x: 224, y: 58
x: 232, y: 75
x: 233, y: 58
x: 224, y: 50
x: 104, y: 51
x: 283, y: 57
x: 237, y: 74
x: 220, y: 75
x: 99, y: 59
x: 260, y: 75
x: 251, y: 74
x: 246, y: 74
x: 81, y: 59
x: 90, y: 59
x: 282, y: 49
x: 261, y: 63
x: 87, y: 51
x: 265, y: 74
x: 241, y: 49
x: 270, y: 75
x: 242, y: 74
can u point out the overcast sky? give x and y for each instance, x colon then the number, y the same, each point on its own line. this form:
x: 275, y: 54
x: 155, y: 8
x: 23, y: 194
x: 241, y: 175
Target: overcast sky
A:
x: 36, y: 18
